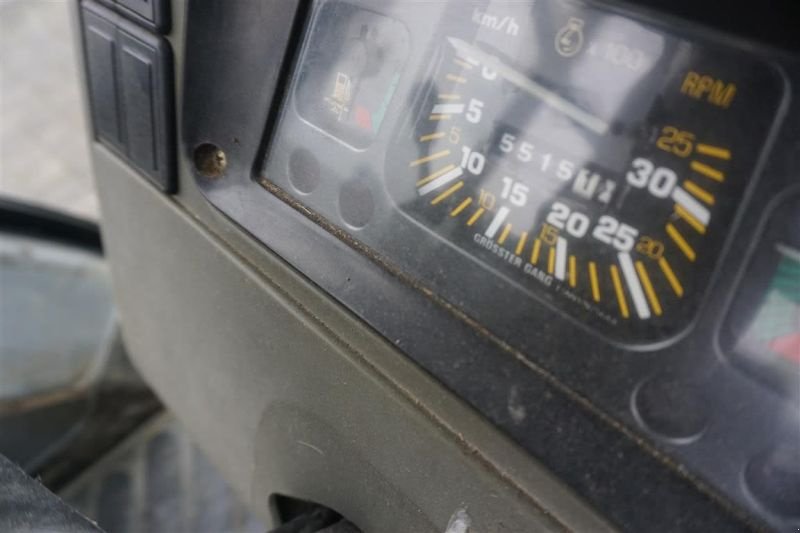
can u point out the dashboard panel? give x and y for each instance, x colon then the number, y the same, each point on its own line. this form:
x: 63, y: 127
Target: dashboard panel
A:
x: 613, y: 211
x: 582, y: 218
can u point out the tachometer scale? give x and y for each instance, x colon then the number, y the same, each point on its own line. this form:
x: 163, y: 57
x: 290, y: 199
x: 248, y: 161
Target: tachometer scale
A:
x: 596, y: 173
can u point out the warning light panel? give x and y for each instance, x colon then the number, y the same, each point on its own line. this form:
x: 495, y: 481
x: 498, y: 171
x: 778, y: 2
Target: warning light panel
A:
x: 350, y: 73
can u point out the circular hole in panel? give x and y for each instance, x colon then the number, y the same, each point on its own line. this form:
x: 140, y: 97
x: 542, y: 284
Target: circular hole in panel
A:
x: 304, y: 172
x: 670, y: 408
x: 773, y: 478
x: 356, y: 205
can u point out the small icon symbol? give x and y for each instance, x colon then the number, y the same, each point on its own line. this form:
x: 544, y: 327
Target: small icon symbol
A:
x: 569, y: 39
x: 339, y: 100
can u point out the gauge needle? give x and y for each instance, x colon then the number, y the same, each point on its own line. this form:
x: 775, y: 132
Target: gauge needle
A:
x: 513, y: 76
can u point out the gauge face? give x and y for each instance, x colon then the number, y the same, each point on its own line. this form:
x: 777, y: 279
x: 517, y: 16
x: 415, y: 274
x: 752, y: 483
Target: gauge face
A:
x: 592, y: 162
x: 351, y: 72
x: 762, y: 333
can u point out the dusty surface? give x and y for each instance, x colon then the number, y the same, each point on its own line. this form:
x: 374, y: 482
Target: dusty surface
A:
x: 44, y: 154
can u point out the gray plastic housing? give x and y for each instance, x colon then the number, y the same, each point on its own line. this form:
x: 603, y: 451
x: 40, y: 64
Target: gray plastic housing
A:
x: 285, y: 390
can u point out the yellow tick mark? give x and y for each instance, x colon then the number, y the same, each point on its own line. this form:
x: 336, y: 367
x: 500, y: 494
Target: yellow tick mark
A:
x: 462, y: 64
x: 551, y: 260
x: 681, y: 242
x: 435, y: 175
x: 671, y: 277
x: 573, y: 271
x: 449, y: 96
x: 648, y: 288
x: 690, y: 219
x: 537, y: 247
x: 447, y: 193
x: 504, y: 234
x: 707, y: 171
x: 594, y: 282
x: 521, y: 243
x: 475, y: 216
x: 440, y: 117
x: 699, y: 192
x: 623, y: 304
x: 421, y: 160
x: 456, y: 79
x: 463, y: 205
x: 713, y: 151
x: 431, y: 137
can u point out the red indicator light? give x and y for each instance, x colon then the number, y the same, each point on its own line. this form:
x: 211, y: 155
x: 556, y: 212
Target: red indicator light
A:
x: 363, y: 118
x: 788, y: 346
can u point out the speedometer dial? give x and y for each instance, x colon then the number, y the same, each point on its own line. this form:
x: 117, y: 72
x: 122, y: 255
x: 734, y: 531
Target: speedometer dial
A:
x: 593, y: 172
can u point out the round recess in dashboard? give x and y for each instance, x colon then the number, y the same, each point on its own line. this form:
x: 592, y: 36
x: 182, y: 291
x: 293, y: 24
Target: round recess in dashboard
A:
x: 670, y: 408
x: 304, y: 173
x: 774, y: 479
x: 356, y: 204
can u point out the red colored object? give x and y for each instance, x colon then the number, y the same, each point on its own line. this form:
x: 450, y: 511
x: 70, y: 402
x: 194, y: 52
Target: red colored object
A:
x: 787, y: 346
x: 363, y: 118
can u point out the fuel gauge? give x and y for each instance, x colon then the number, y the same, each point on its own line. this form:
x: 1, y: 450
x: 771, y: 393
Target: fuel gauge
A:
x: 351, y: 72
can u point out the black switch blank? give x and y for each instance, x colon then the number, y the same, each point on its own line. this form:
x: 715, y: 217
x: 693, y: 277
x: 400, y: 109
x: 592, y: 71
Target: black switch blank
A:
x: 138, y: 93
x: 100, y: 59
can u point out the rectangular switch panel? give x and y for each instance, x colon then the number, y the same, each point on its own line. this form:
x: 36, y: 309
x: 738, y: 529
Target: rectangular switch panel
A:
x: 130, y: 92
